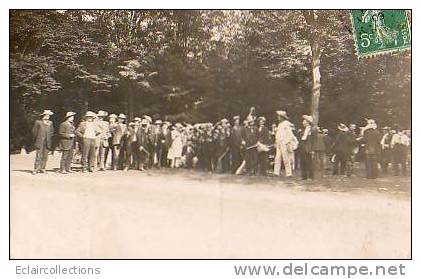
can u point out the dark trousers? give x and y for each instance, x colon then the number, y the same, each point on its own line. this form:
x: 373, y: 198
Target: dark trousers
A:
x: 163, y: 152
x: 88, y: 153
x: 341, y: 164
x: 306, y: 165
x: 236, y: 158
x: 251, y: 161
x: 41, y: 158
x: 151, y: 156
x: 66, y: 159
x: 115, y: 155
x: 399, y: 158
x: 319, y: 162
x: 371, y: 168
x: 262, y: 162
x: 132, y: 155
x: 207, y: 156
x: 385, y: 159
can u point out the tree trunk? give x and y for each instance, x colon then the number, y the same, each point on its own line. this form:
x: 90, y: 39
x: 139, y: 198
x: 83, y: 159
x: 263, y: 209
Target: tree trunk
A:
x: 130, y: 102
x: 315, y: 96
x: 315, y: 90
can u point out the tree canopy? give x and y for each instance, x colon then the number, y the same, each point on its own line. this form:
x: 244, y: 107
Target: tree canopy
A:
x: 197, y: 66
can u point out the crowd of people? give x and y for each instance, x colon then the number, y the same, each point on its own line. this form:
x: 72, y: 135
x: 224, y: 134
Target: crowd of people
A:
x: 238, y: 146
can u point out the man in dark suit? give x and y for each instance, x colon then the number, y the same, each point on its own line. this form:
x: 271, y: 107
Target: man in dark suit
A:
x: 236, y: 144
x: 371, y: 137
x: 164, y: 143
x: 66, y: 134
x: 263, y: 138
x: 132, y: 147
x: 250, y: 138
x: 42, y: 131
x: 118, y: 132
x: 144, y: 144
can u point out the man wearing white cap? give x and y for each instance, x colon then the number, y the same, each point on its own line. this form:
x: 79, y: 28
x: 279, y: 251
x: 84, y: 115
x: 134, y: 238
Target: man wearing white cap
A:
x: 285, y: 143
x: 88, y: 131
x: 66, y: 144
x: 102, y: 139
x: 42, y: 131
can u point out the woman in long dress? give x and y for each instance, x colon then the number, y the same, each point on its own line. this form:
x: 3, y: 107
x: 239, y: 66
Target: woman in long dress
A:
x: 176, y: 149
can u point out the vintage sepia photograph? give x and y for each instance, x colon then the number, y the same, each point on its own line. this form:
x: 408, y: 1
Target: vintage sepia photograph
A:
x: 210, y: 134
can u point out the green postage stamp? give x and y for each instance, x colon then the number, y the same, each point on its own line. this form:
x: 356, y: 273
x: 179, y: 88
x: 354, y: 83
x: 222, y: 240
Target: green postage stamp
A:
x: 380, y: 31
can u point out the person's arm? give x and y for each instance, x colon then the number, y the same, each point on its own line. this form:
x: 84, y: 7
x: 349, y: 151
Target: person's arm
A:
x: 80, y: 130
x: 35, y: 128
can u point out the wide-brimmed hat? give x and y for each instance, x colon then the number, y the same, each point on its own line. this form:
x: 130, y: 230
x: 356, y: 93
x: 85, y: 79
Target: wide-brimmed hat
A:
x: 237, y: 117
x: 112, y: 115
x: 102, y: 113
x: 158, y: 122
x: 47, y: 112
x: 137, y: 119
x: 343, y: 127
x: 121, y: 115
x: 371, y: 121
x: 148, y: 118
x: 282, y: 113
x: 178, y: 125
x: 386, y: 128
x: 224, y: 120
x: 131, y: 123
x: 261, y: 118
x: 90, y: 114
x: 69, y: 113
x: 308, y: 118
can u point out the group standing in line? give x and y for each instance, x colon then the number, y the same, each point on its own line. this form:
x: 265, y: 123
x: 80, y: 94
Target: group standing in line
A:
x: 238, y: 147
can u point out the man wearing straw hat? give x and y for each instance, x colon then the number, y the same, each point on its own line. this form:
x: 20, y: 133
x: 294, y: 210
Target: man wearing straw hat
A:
x: 88, y: 132
x: 285, y: 143
x: 42, y: 131
x: 66, y: 144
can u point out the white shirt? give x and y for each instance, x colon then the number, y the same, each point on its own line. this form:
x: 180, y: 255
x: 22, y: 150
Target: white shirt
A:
x: 399, y: 139
x: 90, y: 130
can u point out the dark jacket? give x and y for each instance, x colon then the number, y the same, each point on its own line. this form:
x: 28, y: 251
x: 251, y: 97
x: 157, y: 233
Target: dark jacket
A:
x: 237, y: 136
x: 250, y: 136
x: 319, y: 144
x: 307, y: 145
x: 165, y: 140
x: 343, y: 143
x: 263, y: 135
x: 143, y: 138
x: 65, y: 131
x: 43, y: 134
x: 372, y: 138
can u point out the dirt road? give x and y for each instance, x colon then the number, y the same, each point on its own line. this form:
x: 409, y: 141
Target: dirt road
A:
x: 182, y: 214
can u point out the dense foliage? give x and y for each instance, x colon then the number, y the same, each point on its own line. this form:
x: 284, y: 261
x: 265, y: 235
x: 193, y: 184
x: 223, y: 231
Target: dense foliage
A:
x: 197, y: 66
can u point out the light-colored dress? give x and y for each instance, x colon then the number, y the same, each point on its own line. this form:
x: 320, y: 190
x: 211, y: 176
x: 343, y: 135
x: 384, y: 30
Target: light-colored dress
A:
x: 176, y: 148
